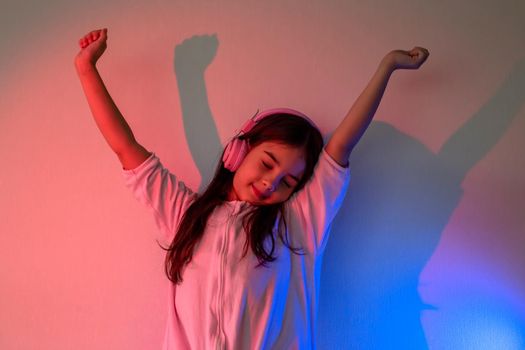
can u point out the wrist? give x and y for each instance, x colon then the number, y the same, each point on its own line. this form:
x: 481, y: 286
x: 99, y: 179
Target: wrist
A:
x: 387, y: 66
x: 84, y: 66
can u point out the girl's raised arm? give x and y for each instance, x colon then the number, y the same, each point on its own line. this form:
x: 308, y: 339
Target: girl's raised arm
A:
x: 353, y: 126
x: 108, y: 118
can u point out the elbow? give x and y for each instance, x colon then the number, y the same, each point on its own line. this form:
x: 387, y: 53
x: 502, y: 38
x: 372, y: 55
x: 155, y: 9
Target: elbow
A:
x: 339, y: 152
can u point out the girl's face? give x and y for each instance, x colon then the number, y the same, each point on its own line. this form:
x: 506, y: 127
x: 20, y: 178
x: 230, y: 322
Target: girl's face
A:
x: 268, y: 174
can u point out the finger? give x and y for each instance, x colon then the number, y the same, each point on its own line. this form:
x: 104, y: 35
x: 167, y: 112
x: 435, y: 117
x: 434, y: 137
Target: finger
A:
x: 87, y: 38
x: 415, y: 52
x: 421, y: 57
x: 83, y: 42
x: 103, y: 34
x: 424, y: 53
x: 422, y: 50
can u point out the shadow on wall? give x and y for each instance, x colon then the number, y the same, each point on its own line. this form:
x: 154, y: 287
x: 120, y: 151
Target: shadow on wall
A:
x: 400, y: 199
x: 192, y: 57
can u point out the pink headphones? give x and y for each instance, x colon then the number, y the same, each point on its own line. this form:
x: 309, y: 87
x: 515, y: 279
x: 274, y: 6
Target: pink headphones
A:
x: 237, y: 149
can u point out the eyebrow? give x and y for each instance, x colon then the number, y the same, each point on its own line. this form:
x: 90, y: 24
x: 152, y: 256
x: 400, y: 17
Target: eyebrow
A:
x: 275, y: 160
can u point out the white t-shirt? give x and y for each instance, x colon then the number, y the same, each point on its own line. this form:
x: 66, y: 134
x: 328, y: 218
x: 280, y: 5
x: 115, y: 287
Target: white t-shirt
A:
x: 224, y: 302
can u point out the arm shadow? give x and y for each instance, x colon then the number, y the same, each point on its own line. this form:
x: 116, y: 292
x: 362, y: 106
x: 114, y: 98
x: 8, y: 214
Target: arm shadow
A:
x: 400, y: 200
x: 192, y: 57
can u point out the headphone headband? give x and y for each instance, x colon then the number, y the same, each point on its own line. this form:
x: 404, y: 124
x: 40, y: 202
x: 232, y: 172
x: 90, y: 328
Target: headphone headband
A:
x: 254, y: 120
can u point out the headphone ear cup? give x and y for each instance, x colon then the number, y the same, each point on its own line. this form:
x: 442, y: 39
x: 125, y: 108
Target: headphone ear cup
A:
x: 234, y: 154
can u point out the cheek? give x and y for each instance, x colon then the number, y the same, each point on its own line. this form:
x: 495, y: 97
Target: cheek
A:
x: 241, y: 178
x: 236, y: 180
x: 249, y: 172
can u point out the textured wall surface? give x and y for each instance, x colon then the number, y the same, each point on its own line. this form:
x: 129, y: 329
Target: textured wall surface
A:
x: 427, y: 251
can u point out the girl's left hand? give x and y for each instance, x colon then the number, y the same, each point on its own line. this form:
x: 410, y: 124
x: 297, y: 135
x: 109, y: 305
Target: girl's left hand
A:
x: 400, y: 59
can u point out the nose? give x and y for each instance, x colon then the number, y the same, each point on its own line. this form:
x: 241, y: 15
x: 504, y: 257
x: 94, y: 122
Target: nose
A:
x: 269, y: 185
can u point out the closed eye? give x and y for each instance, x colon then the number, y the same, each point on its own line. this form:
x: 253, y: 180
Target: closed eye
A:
x: 268, y: 166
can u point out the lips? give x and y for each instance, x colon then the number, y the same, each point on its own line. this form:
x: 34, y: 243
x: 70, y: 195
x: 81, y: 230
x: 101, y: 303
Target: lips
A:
x: 257, y: 193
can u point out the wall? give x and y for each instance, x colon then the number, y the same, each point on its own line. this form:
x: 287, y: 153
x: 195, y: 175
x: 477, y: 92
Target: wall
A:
x: 427, y: 251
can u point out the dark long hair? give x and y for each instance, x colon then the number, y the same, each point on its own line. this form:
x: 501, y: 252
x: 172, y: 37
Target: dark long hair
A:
x: 259, y: 222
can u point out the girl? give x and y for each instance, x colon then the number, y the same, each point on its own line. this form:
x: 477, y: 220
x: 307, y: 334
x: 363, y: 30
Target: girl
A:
x: 244, y: 257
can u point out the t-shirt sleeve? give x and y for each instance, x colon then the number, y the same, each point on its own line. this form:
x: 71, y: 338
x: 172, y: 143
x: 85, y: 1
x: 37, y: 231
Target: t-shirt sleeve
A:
x: 311, y: 210
x: 161, y: 191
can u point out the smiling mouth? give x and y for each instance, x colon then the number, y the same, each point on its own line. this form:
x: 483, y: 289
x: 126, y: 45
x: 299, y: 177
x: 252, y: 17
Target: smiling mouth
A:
x: 257, y: 193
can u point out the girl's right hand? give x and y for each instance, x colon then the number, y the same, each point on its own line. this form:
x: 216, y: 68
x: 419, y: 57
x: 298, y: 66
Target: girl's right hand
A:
x: 92, y: 46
